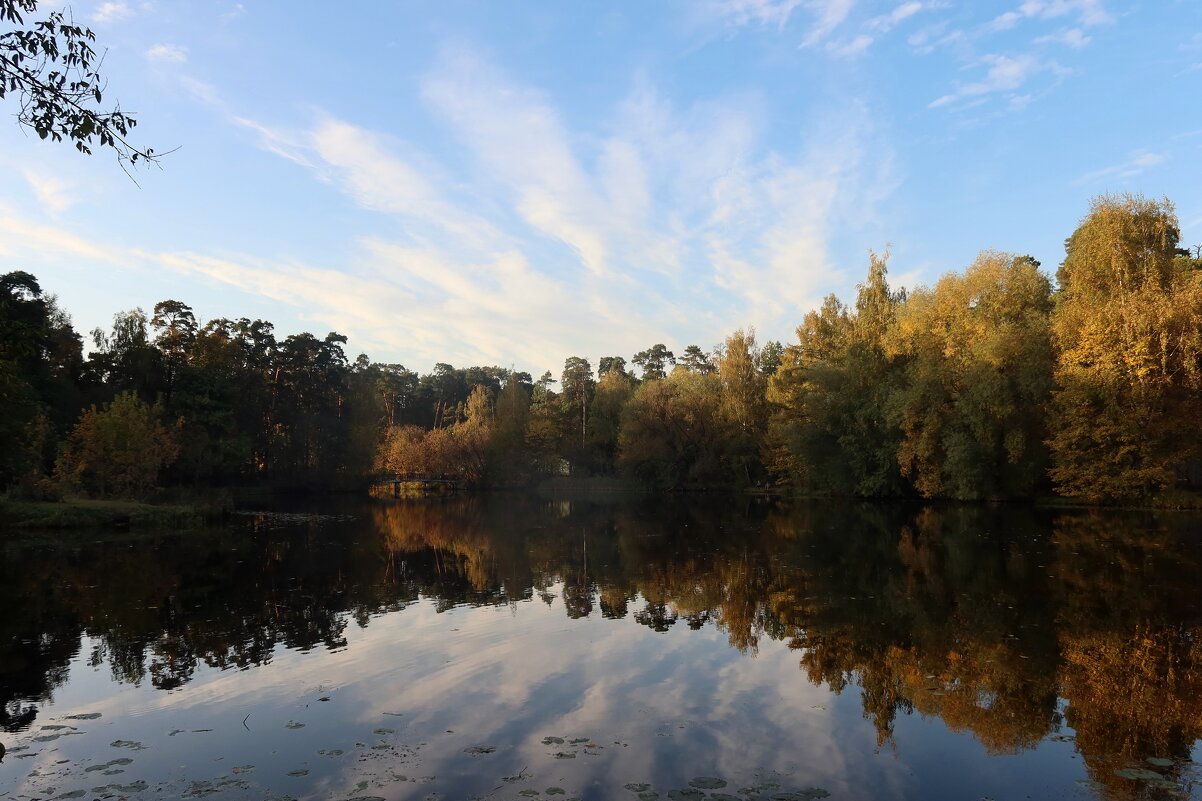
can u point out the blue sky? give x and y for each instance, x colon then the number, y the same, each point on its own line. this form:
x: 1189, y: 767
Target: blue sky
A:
x: 512, y: 182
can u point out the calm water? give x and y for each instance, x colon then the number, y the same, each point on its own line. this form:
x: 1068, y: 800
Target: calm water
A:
x: 508, y: 648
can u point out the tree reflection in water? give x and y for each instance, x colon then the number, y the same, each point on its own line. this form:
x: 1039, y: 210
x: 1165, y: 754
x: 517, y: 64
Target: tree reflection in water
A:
x: 1009, y: 624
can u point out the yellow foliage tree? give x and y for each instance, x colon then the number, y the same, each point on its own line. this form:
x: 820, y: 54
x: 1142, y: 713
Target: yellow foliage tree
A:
x: 118, y: 450
x: 1128, y: 328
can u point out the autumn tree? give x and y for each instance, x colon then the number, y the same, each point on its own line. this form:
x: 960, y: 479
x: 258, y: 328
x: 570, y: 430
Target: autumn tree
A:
x: 1128, y: 329
x: 978, y: 373
x: 672, y: 432
x: 117, y: 450
x: 832, y: 432
x: 744, y: 401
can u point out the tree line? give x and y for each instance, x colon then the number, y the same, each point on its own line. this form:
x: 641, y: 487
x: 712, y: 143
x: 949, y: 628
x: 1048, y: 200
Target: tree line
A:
x: 992, y: 384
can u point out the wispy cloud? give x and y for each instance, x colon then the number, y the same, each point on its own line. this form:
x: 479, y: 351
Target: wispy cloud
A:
x: 1004, y: 74
x: 1135, y: 165
x: 828, y: 15
x: 175, y: 54
x: 1088, y: 13
x: 854, y: 47
x: 51, y: 192
x: 110, y: 11
x: 582, y: 239
x: 899, y: 14
x: 1073, y: 37
x: 748, y: 12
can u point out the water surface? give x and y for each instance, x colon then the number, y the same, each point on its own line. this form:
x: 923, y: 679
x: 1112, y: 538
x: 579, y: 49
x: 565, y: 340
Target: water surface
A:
x: 504, y: 647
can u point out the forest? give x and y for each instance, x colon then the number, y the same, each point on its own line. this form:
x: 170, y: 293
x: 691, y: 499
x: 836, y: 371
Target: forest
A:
x: 996, y: 383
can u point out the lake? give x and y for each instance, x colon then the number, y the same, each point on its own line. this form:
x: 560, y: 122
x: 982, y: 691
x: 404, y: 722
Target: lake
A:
x: 510, y: 647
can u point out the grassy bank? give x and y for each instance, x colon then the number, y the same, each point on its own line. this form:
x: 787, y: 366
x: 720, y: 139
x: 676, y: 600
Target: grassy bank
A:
x: 86, y: 514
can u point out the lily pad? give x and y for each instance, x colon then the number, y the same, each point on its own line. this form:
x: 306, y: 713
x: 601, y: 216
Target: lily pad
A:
x: 565, y: 755
x: 84, y: 716
x: 556, y: 791
x: 382, y: 731
x: 687, y: 794
x: 529, y: 793
x: 552, y: 741
x: 637, y: 787
x: 294, y: 724
x: 708, y: 783
x: 649, y: 795
x: 808, y: 794
x: 133, y: 745
x: 300, y: 772
x: 477, y: 750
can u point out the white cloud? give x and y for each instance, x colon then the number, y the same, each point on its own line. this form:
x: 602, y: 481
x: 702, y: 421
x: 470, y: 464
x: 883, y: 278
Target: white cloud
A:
x: 663, y: 224
x: 901, y: 13
x: 854, y: 47
x: 1004, y: 74
x: 1073, y: 37
x: 747, y: 12
x: 51, y: 192
x: 1088, y: 13
x: 110, y: 11
x: 167, y: 52
x: 829, y: 15
x: 1139, y: 162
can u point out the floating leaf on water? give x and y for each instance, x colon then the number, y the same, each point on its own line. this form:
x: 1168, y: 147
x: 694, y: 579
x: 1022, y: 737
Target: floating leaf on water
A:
x: 552, y: 741
x: 808, y: 794
x: 724, y: 797
x: 130, y: 744
x: 529, y: 793
x: 477, y: 750
x: 382, y: 731
x: 1138, y: 774
x: 637, y: 787
x: 1159, y: 762
x: 294, y: 724
x: 688, y: 794
x: 298, y: 772
x: 708, y: 783
x: 556, y: 791
x: 564, y: 755
x: 198, y: 731
x: 649, y: 795
x: 73, y: 794
x: 132, y: 787
x: 331, y: 752
x: 578, y: 740
x: 83, y: 716
x: 243, y: 769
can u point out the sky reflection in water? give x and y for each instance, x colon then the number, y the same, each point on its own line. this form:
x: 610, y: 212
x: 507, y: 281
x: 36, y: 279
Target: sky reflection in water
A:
x: 494, y: 647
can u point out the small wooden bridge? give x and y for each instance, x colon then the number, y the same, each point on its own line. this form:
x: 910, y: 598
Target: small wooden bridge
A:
x: 420, y: 481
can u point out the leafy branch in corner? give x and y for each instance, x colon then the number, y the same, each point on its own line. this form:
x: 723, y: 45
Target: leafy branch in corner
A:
x: 53, y: 68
